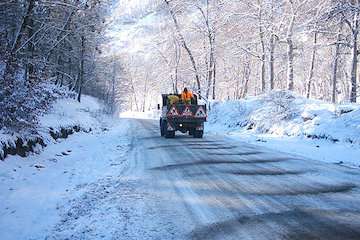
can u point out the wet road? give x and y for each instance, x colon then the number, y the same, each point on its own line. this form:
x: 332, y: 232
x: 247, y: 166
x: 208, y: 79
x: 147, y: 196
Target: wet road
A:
x: 215, y: 188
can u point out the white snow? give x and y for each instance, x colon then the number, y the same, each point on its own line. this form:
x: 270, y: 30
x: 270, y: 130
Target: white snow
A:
x: 154, y: 114
x: 97, y: 185
x: 35, y: 190
x: 64, y: 113
x: 69, y: 112
x: 290, y: 123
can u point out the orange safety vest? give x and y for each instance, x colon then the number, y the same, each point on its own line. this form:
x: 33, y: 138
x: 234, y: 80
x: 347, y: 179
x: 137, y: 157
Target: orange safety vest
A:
x: 186, y: 96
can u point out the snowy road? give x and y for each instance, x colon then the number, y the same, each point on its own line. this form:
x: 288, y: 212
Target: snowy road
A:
x: 210, y: 188
x: 219, y: 189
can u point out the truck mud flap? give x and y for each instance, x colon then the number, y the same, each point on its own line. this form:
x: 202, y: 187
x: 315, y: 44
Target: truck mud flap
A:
x: 170, y: 127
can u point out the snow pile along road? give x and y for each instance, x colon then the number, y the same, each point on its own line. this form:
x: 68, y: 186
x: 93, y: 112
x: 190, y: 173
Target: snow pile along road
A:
x: 69, y: 112
x: 282, y: 113
x: 65, y: 117
x: 52, y: 194
x: 285, y: 121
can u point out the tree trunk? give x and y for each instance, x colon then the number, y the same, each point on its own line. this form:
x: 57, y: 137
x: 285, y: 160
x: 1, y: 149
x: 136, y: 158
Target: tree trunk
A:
x: 11, y: 62
x: 145, y: 93
x: 135, y: 99
x: 353, y: 92
x: 113, y: 82
x: 81, y: 73
x: 30, y: 64
x: 208, y: 63
x: 237, y: 86
x: 210, y: 72
x: 271, y: 61
x: 312, y: 65
x: 177, y: 61
x: 214, y: 82
x: 212, y: 69
x: 182, y: 39
x: 24, y: 24
x: 262, y: 42
x: 335, y: 66
x: 272, y: 50
x: 246, y: 76
x: 290, y: 51
x: 290, y: 73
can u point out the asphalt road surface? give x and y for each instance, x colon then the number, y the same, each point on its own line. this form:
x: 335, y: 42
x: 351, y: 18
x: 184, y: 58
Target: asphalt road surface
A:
x: 215, y: 188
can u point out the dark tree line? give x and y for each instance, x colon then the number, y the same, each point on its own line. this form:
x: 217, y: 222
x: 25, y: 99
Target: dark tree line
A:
x: 44, y: 42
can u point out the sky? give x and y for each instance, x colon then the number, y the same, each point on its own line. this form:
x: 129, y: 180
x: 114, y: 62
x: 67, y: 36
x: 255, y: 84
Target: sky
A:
x: 133, y: 25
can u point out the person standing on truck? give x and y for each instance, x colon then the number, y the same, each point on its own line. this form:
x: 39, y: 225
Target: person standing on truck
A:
x: 186, y: 96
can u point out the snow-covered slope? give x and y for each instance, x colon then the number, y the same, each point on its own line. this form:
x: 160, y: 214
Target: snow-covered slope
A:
x: 65, y: 117
x: 289, y: 123
x: 69, y: 112
x: 281, y: 113
x: 37, y: 193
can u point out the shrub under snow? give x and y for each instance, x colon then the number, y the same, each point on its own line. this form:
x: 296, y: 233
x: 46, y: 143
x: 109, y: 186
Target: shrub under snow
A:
x: 283, y: 113
x: 63, y: 117
x: 21, y: 104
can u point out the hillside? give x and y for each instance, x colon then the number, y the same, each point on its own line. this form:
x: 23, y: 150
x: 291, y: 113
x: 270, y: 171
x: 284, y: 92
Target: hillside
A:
x: 64, y: 117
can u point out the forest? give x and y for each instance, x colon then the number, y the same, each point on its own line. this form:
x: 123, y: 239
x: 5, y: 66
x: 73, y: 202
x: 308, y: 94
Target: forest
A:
x: 128, y: 52
x: 50, y: 50
x: 231, y: 49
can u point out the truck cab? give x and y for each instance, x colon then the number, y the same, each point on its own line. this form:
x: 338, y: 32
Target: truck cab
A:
x: 183, y: 117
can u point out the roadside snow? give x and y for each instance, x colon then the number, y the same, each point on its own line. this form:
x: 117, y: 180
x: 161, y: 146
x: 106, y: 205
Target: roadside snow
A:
x: 69, y: 112
x: 35, y: 191
x: 320, y: 150
x: 65, y: 113
x: 155, y: 114
x: 286, y: 122
x: 40, y: 193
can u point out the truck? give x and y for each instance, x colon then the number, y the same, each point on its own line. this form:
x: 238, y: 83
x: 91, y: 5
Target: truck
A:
x: 179, y: 116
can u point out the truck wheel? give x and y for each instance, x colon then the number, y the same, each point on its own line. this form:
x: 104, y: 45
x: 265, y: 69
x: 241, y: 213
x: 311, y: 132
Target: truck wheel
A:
x: 169, y: 134
x: 198, y: 133
x: 162, y: 128
x: 191, y: 132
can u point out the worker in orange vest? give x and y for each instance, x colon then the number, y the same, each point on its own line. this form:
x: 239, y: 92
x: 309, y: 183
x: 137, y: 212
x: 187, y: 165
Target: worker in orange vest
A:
x: 186, y: 96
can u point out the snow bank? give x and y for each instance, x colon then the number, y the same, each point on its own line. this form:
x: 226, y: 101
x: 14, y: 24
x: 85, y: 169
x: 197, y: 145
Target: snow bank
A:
x: 65, y: 117
x: 39, y: 195
x: 289, y: 123
x: 282, y: 113
x: 69, y: 112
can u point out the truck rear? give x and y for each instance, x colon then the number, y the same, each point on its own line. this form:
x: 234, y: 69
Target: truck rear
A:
x: 182, y: 117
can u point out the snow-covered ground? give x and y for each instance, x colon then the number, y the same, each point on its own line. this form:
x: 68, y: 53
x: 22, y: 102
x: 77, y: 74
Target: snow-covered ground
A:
x: 123, y: 181
x: 35, y: 190
x: 69, y: 112
x: 64, y: 113
x: 154, y: 114
x: 84, y: 187
x: 289, y: 123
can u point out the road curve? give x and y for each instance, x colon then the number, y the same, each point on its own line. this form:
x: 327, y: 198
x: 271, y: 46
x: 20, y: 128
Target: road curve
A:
x: 215, y: 188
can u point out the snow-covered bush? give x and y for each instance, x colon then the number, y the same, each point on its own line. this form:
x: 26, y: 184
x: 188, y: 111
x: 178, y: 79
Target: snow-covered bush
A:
x: 64, y: 117
x: 284, y: 113
x: 22, y: 102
